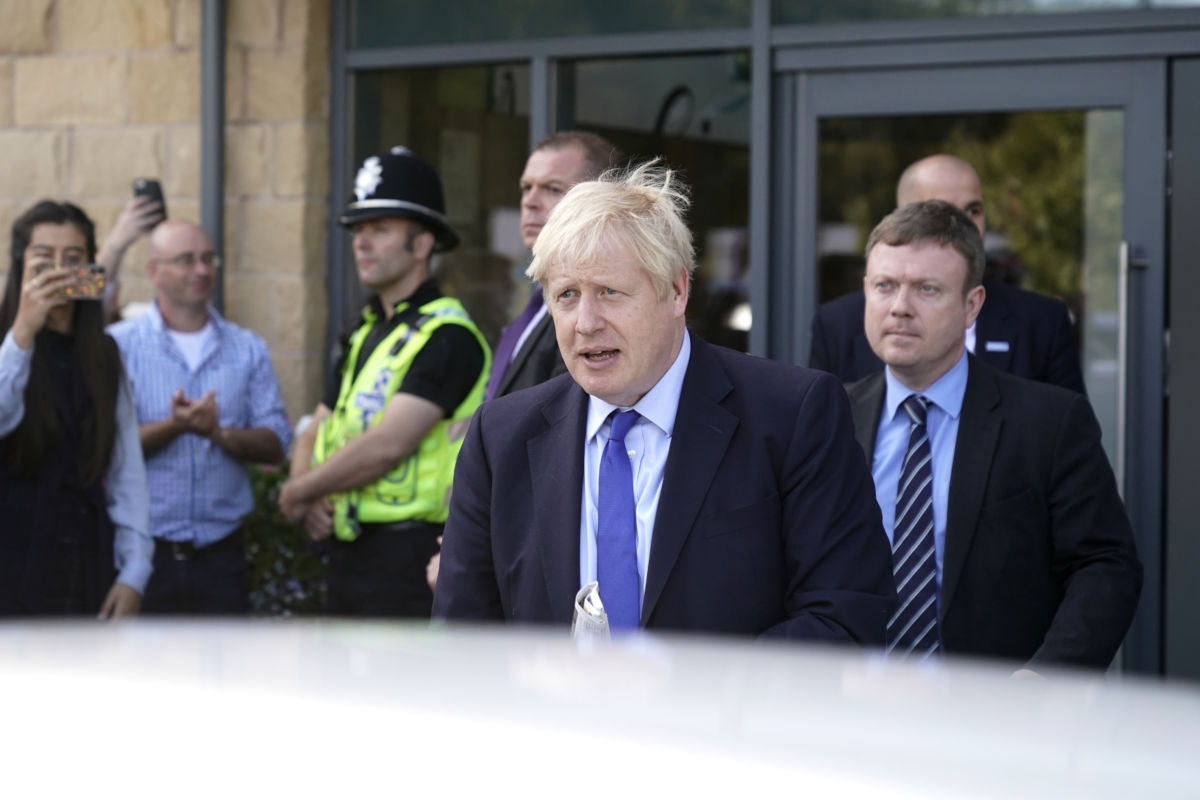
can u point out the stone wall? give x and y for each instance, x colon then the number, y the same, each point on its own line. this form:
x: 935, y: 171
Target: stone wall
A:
x: 94, y: 93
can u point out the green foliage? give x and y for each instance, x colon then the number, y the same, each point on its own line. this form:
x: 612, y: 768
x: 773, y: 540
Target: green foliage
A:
x: 287, y: 574
x: 1051, y: 184
x: 1033, y: 174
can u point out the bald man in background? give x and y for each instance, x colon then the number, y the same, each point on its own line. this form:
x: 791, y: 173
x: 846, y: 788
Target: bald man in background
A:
x: 1019, y: 332
x: 207, y: 403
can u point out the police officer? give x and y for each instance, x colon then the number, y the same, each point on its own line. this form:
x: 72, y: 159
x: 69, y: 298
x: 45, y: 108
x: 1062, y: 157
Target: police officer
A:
x: 375, y: 467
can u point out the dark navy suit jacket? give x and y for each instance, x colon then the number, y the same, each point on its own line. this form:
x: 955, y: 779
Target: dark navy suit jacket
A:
x: 766, y: 525
x: 537, y: 361
x: 1019, y: 332
x: 1040, y: 564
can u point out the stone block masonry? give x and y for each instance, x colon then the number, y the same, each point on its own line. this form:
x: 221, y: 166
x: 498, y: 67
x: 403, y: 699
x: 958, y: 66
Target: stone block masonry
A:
x: 94, y: 93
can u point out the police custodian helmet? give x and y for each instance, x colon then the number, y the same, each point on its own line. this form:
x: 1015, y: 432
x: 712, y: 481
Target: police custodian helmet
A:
x: 399, y: 183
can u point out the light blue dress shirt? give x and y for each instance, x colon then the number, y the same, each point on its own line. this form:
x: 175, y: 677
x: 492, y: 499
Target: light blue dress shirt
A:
x: 198, y: 492
x: 125, y: 479
x: 649, y: 442
x: 945, y: 398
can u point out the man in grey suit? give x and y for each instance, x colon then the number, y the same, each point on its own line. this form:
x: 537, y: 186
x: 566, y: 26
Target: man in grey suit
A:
x: 1009, y: 538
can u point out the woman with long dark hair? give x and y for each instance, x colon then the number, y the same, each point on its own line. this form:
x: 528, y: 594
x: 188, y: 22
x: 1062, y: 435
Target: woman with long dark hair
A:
x: 73, y: 508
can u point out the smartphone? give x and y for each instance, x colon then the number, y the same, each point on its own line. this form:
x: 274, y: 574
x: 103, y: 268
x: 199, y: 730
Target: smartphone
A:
x: 150, y: 187
x: 87, y: 280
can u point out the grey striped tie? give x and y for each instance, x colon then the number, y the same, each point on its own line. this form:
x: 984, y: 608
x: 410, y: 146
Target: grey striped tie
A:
x: 913, y: 629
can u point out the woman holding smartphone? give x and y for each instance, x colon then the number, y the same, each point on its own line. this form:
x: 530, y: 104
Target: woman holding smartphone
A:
x: 74, y: 534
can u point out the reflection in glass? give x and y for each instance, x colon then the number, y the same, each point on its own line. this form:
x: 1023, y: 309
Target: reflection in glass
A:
x: 694, y: 112
x: 1053, y: 194
x: 805, y: 12
x: 1031, y: 166
x: 1103, y: 209
x: 389, y: 23
x: 472, y: 123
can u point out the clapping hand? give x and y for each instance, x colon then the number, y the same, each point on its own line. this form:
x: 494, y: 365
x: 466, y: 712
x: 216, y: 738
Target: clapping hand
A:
x: 196, y: 416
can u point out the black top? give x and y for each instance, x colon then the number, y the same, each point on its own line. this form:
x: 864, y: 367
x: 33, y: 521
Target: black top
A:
x: 443, y: 372
x: 56, y: 554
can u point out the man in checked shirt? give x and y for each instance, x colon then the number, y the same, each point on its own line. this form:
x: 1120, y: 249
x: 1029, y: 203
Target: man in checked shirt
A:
x: 207, y: 403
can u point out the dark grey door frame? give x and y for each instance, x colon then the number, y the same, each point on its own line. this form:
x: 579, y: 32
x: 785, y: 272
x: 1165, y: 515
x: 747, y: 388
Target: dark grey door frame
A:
x: 1136, y: 86
x: 1181, y: 618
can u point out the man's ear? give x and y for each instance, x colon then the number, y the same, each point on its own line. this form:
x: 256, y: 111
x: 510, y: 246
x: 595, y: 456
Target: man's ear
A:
x: 679, y: 290
x: 423, y: 244
x: 975, y: 298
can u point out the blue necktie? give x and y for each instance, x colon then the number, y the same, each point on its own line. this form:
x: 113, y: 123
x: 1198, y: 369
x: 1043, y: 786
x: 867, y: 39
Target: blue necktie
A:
x: 616, y: 529
x: 913, y: 629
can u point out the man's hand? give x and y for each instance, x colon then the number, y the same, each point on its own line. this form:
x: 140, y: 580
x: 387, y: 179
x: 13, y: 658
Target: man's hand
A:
x: 315, y: 516
x: 431, y: 569
x: 205, y: 416
x: 134, y: 221
x: 179, y: 407
x: 197, y: 416
x: 318, y: 519
x: 291, y: 504
x: 122, y: 601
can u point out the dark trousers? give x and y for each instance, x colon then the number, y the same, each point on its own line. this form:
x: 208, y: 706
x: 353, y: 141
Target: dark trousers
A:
x: 382, y: 572
x: 206, y: 580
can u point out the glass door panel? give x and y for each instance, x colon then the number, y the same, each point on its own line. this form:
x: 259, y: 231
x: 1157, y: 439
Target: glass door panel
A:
x: 472, y: 123
x: 694, y: 113
x: 1052, y: 186
x: 1071, y: 156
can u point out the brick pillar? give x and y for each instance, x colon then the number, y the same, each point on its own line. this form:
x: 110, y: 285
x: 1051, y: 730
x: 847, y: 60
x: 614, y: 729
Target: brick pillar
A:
x: 277, y: 172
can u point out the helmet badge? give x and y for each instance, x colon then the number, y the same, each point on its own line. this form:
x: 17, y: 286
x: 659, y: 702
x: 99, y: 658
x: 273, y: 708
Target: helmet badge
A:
x: 369, y: 176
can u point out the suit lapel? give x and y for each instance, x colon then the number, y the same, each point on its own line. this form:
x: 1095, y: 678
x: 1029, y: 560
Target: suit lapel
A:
x: 978, y: 434
x: 703, y: 429
x: 532, y: 344
x: 866, y: 404
x: 865, y: 360
x: 994, y: 327
x: 556, y: 468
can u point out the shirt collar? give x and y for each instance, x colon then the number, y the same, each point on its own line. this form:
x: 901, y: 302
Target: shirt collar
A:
x: 946, y: 392
x: 427, y: 292
x: 659, y: 405
x: 159, y: 326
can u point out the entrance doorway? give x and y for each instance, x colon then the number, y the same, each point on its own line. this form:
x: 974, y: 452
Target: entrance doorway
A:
x: 1071, y: 160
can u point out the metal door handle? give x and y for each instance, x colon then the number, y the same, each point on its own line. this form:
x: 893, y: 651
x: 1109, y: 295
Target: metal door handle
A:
x: 1129, y: 260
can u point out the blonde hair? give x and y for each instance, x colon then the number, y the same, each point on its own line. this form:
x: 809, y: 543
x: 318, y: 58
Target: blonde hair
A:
x: 642, y: 207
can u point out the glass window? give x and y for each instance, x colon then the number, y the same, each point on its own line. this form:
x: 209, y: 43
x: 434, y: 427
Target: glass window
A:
x: 1053, y: 194
x: 388, y: 23
x: 804, y: 12
x: 472, y: 124
x: 694, y: 112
